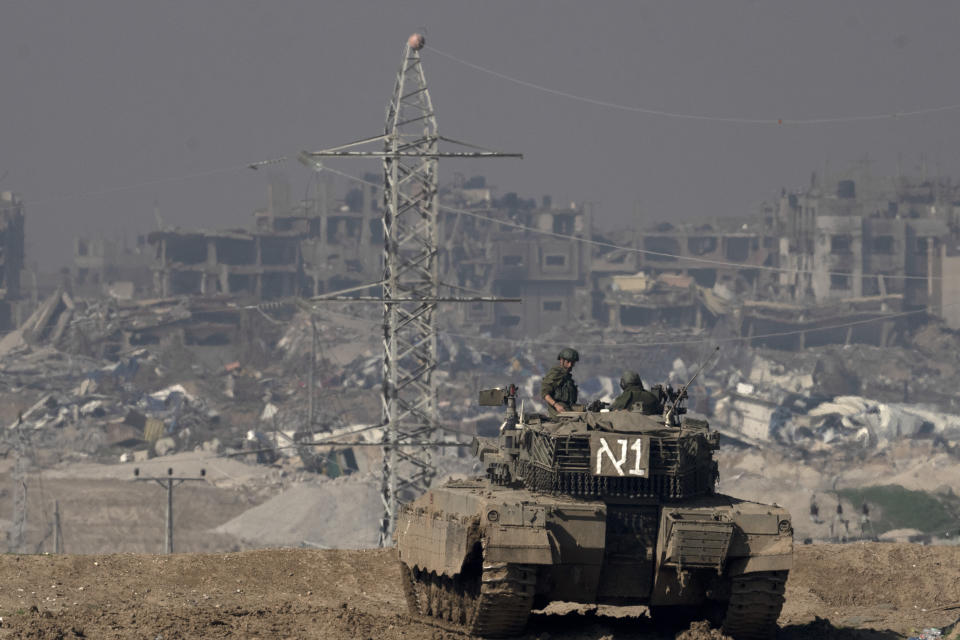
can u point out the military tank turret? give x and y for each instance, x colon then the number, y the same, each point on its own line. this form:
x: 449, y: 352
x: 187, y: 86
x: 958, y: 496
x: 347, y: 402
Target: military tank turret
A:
x: 597, y: 507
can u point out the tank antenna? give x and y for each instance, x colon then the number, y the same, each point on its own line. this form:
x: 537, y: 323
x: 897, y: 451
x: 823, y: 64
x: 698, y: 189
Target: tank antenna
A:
x: 668, y: 417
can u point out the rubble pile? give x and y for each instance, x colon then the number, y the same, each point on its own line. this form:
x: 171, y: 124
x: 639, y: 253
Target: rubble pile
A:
x: 108, y: 378
x: 858, y: 396
x: 117, y: 381
x: 86, y: 406
x: 121, y: 368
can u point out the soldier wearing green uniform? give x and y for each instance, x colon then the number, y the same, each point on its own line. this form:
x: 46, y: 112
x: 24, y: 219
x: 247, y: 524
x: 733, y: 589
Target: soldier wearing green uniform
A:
x: 634, y: 394
x: 558, y: 389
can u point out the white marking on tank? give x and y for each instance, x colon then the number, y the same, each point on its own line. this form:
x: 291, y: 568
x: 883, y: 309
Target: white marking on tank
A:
x: 617, y: 464
x: 637, y: 447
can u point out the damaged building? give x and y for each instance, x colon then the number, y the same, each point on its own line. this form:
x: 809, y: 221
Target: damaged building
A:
x: 840, y: 255
x: 103, y: 265
x: 300, y: 249
x: 549, y: 274
x: 888, y: 239
x: 840, y: 251
x: 263, y: 265
x: 12, y: 308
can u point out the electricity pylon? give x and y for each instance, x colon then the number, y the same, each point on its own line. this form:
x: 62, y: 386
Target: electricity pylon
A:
x: 411, y: 150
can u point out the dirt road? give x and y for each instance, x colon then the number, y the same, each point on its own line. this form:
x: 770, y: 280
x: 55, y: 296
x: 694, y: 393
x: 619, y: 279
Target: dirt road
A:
x: 868, y: 591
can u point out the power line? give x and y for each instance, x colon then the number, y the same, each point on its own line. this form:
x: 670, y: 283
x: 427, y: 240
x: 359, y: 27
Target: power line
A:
x: 129, y: 187
x: 778, y: 334
x: 668, y: 343
x: 432, y: 444
x: 700, y: 117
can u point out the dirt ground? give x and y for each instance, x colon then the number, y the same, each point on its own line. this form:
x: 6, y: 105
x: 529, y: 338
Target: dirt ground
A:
x: 867, y: 591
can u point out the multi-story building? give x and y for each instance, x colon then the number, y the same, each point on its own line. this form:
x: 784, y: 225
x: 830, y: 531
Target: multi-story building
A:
x: 104, y: 265
x: 884, y: 241
x: 314, y: 246
x: 11, y: 259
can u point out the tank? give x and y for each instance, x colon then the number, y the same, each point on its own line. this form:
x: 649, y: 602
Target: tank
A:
x: 594, y: 507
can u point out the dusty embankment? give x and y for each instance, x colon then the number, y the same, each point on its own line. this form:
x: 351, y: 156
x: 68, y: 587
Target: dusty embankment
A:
x: 874, y: 591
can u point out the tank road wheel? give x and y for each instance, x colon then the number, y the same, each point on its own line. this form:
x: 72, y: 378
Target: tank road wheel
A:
x: 755, y: 603
x: 494, y: 602
x: 408, y: 584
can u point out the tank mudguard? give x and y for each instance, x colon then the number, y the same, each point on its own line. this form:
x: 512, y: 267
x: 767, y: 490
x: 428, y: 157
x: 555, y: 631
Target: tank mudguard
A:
x: 721, y: 536
x: 432, y: 542
x: 517, y: 545
x: 763, y: 540
x: 689, y: 539
x: 515, y: 532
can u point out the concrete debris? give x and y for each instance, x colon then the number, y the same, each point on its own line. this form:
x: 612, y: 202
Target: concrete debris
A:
x: 138, y: 372
x: 163, y: 446
x: 269, y: 412
x: 98, y: 404
x: 814, y: 422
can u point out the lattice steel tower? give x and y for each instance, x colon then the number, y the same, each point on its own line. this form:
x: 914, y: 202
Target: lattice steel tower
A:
x: 410, y: 278
x: 409, y: 270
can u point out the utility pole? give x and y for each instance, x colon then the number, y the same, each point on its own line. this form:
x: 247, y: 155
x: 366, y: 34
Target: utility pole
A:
x: 20, y: 445
x: 312, y: 380
x: 410, y: 154
x: 169, y: 482
x: 57, y: 530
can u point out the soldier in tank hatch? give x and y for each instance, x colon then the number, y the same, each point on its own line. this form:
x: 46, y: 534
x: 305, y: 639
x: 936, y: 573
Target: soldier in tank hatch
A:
x: 634, y: 395
x: 558, y: 389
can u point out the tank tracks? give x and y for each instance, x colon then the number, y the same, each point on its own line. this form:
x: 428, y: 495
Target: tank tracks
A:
x: 495, y: 602
x: 755, y: 603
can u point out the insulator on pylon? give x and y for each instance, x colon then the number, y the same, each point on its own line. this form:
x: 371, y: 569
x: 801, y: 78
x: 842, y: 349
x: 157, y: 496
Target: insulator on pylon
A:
x: 416, y: 41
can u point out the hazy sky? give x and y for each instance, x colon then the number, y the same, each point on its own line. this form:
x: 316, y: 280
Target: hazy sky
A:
x: 105, y: 94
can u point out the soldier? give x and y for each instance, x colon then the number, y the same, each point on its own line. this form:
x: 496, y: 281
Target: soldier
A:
x: 558, y: 389
x: 634, y: 393
x: 864, y: 519
x: 814, y: 509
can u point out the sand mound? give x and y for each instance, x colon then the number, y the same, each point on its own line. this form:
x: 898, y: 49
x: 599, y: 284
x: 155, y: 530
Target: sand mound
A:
x: 343, y: 513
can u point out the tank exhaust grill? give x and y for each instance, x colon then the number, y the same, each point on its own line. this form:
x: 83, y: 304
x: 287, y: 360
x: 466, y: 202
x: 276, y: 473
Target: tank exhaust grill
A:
x: 680, y: 467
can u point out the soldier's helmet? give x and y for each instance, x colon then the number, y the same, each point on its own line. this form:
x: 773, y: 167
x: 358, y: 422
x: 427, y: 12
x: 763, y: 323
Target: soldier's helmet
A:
x: 568, y: 354
x: 630, y: 378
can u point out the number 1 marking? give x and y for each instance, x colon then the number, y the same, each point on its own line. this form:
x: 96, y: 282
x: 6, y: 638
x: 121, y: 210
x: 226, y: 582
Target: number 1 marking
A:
x: 637, y: 448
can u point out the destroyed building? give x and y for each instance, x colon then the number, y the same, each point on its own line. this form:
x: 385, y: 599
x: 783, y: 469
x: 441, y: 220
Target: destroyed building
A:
x: 320, y: 245
x: 104, y: 265
x: 294, y: 249
x: 12, y: 309
x: 868, y: 247
x: 681, y: 274
x: 549, y: 274
x: 888, y: 238
x: 830, y: 254
x: 264, y: 265
x: 840, y: 251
